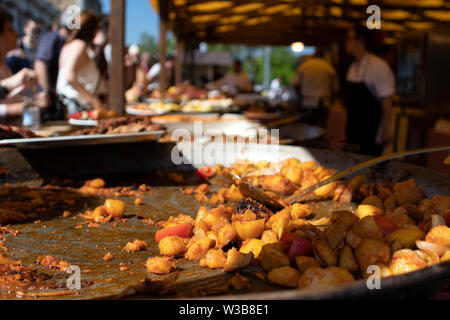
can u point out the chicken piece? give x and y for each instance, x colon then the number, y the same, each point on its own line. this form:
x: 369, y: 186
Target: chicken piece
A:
x: 136, y: 246
x: 198, y: 249
x: 260, y: 210
x: 325, y: 253
x: 237, y: 260
x: 316, y: 278
x: 172, y: 246
x: 252, y: 245
x: 305, y: 262
x: 160, y: 265
x: 239, y: 282
x: 406, y: 260
x: 441, y: 204
x: 407, y: 192
x: 284, y: 276
x: 371, y: 251
x: 214, y: 259
x: 272, y: 257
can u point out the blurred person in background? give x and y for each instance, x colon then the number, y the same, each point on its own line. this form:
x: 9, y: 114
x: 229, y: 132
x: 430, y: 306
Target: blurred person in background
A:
x: 79, y: 77
x: 25, y: 53
x: 155, y: 70
x: 99, y: 44
x: 236, y: 81
x: 369, y: 90
x: 9, y: 82
x: 46, y: 66
x: 317, y: 82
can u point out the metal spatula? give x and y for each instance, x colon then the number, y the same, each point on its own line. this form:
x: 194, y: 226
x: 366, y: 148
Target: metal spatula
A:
x: 302, y: 193
x: 250, y: 190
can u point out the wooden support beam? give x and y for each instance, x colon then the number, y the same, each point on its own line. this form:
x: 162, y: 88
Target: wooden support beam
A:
x: 162, y: 55
x: 178, y: 66
x: 117, y: 79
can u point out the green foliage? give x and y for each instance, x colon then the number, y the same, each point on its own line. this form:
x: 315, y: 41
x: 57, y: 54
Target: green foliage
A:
x: 147, y: 43
x: 283, y: 64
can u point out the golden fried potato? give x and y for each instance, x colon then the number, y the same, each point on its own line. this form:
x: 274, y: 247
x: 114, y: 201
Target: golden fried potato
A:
x: 300, y: 211
x: 439, y: 235
x: 441, y: 204
x: 271, y: 258
x: 160, y: 265
x: 365, y: 210
x: 316, y: 278
x: 446, y: 256
x: 357, y: 181
x: 305, y: 262
x: 214, y: 259
x: 96, y: 183
x: 406, y: 260
x: 352, y: 239
x: 326, y: 191
x: 252, y: 245
x: 371, y: 251
x: 284, y: 276
x: 385, y: 271
x: 239, y: 282
x: 172, y: 246
x: 249, y: 229
x: 294, y: 174
x: 336, y: 231
x: 136, y: 246
x: 269, y: 236
x: 115, y: 208
x: 383, y: 192
x: 278, y: 184
x: 237, y: 260
x: 406, y: 237
x: 373, y: 201
x: 225, y: 235
x: 198, y: 249
x: 347, y: 259
x: 389, y: 202
x: 280, y: 222
x: 325, y: 252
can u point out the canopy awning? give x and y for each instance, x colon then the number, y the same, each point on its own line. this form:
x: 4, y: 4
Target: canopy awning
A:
x: 281, y: 22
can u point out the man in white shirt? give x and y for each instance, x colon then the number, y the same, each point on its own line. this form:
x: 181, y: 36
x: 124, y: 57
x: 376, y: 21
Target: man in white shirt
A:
x: 318, y: 82
x: 236, y: 81
x: 369, y: 91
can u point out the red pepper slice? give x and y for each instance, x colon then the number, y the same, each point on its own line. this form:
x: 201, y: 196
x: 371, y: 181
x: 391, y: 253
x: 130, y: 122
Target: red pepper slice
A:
x: 182, y: 230
x: 206, y: 172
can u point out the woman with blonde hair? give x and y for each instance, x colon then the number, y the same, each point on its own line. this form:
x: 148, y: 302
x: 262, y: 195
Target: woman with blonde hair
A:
x: 79, y: 77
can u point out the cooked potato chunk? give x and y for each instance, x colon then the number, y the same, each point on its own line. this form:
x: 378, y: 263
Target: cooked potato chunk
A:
x: 404, y: 261
x: 373, y: 201
x: 225, y: 235
x: 316, y: 278
x: 160, y: 265
x: 252, y: 245
x: 439, y: 235
x: 304, y: 263
x: 239, y: 282
x: 271, y: 258
x: 284, y: 276
x: 365, y: 210
x: 269, y: 236
x: 325, y: 253
x: 96, y: 183
x: 371, y: 251
x: 136, y: 246
x: 300, y: 211
x: 249, y: 229
x: 278, y: 184
x: 407, y: 192
x: 237, y: 260
x: 406, y: 237
x: 214, y: 259
x: 198, y: 249
x: 172, y: 246
x: 115, y: 208
x: 347, y: 259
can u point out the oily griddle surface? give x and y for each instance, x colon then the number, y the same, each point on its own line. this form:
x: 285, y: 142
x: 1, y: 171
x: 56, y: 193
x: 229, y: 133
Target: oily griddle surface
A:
x: 85, y: 247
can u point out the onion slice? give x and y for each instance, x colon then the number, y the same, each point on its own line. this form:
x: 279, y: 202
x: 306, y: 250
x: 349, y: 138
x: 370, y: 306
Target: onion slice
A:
x: 428, y: 246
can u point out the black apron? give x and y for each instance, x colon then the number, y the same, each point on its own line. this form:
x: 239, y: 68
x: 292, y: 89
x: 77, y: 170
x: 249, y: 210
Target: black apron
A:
x: 364, y: 112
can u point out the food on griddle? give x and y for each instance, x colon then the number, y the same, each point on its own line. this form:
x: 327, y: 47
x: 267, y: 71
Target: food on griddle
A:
x: 394, y: 227
x: 12, y: 132
x: 111, y: 210
x: 160, y: 265
x: 239, y: 282
x: 96, y: 114
x: 121, y: 125
x: 108, y: 257
x: 136, y: 246
x: 48, y: 261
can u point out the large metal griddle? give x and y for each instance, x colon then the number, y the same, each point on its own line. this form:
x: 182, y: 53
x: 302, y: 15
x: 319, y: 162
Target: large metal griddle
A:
x: 86, y: 246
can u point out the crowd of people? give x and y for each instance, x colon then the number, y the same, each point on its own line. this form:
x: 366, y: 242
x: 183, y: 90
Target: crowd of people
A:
x: 66, y: 71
